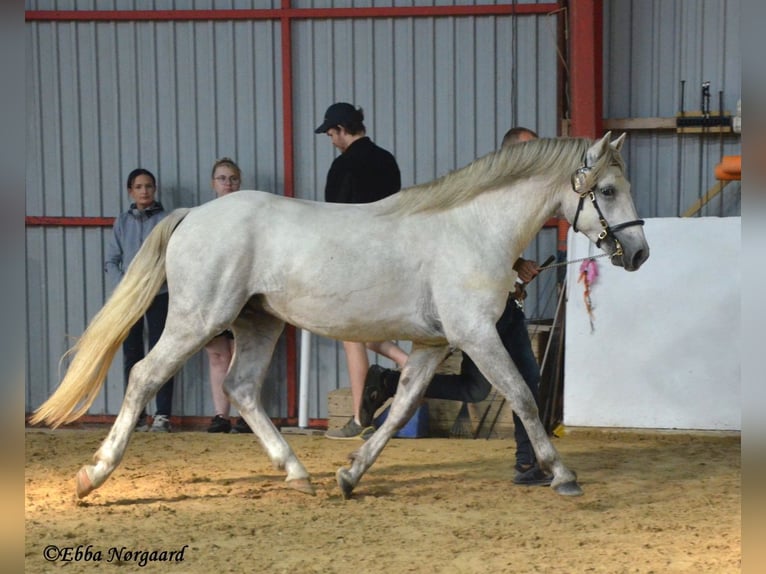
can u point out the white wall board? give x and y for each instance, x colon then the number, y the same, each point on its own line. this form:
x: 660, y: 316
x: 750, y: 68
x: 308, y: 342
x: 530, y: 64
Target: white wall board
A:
x: 665, y: 349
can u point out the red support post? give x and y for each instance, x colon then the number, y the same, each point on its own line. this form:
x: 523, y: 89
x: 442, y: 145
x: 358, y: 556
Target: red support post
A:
x: 291, y: 339
x: 585, y: 84
x: 586, y: 67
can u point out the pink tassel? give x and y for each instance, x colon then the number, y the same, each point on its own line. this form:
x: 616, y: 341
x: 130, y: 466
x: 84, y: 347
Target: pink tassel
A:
x: 590, y: 268
x: 588, y: 274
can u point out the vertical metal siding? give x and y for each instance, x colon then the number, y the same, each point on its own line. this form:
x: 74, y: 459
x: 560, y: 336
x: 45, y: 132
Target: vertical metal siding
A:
x: 649, y: 47
x: 106, y: 98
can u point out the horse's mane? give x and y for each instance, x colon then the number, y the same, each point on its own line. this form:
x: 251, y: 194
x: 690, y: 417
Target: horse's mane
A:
x: 556, y: 157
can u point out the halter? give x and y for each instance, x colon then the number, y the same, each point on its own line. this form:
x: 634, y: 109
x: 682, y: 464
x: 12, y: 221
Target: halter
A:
x: 579, y: 179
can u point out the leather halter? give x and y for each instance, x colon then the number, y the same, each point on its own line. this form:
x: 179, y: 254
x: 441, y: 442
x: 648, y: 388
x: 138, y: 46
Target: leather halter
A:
x: 579, y: 179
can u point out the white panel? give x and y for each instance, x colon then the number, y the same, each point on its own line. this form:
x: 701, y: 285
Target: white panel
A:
x: 664, y: 352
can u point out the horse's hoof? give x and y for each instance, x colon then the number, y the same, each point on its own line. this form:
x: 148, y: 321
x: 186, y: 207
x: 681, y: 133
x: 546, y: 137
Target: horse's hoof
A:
x: 302, y: 485
x: 84, y: 484
x: 344, y: 482
x: 570, y: 488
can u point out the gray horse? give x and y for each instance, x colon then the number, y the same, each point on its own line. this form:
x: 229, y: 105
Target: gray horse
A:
x: 447, y: 247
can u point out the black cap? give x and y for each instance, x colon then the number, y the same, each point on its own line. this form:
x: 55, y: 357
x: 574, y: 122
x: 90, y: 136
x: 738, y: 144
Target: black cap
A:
x: 338, y: 114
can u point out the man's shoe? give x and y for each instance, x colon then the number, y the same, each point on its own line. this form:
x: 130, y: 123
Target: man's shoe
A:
x: 161, y: 423
x: 375, y: 393
x: 351, y: 430
x: 219, y: 424
x: 532, y: 476
x: 241, y: 427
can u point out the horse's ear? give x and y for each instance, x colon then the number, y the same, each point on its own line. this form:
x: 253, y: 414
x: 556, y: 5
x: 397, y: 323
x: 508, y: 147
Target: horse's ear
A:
x: 617, y: 144
x: 597, y: 150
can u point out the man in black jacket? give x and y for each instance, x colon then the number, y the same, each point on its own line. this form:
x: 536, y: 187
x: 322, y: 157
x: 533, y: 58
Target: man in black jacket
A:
x: 362, y: 173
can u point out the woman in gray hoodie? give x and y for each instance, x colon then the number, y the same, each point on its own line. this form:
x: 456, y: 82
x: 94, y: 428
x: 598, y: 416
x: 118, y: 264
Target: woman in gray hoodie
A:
x: 129, y: 231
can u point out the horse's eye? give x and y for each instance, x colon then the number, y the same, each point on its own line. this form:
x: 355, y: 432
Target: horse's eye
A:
x: 607, y: 191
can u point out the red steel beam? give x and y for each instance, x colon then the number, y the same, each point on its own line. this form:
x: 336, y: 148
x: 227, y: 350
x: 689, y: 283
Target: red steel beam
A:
x: 287, y: 13
x: 291, y: 338
x: 585, y: 76
x: 585, y: 67
x: 45, y: 221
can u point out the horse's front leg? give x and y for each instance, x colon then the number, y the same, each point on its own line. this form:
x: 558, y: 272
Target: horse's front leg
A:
x: 146, y: 377
x: 256, y: 334
x: 493, y: 361
x: 417, y: 373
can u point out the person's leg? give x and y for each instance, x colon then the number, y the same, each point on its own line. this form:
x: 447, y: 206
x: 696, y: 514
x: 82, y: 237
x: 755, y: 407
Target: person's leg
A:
x: 516, y: 340
x: 358, y: 364
x: 132, y: 352
x: 389, y: 349
x: 155, y: 318
x: 468, y: 386
x: 219, y: 353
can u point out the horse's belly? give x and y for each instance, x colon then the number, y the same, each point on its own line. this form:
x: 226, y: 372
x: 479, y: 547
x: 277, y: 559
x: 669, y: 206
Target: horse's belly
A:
x: 375, y: 322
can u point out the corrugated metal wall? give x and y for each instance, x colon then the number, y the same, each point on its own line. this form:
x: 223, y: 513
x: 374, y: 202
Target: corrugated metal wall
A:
x: 649, y: 47
x: 105, y: 97
x: 172, y: 96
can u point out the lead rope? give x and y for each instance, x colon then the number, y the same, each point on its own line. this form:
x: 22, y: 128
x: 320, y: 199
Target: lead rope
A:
x: 571, y: 261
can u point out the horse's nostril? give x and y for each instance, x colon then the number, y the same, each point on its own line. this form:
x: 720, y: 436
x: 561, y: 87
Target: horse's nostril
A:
x: 638, y: 258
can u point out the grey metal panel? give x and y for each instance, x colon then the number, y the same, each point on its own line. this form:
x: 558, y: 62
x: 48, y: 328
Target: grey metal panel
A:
x: 107, y: 97
x: 649, y: 48
x: 37, y: 387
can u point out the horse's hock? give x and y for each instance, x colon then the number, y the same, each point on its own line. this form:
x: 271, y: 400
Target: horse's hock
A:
x: 442, y: 413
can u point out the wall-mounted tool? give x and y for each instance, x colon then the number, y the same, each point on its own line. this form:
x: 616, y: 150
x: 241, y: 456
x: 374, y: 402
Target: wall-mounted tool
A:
x: 703, y: 120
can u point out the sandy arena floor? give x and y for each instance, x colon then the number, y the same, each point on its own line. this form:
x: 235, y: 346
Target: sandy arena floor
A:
x: 653, y: 503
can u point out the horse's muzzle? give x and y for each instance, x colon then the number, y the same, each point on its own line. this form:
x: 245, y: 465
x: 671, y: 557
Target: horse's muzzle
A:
x: 628, y: 259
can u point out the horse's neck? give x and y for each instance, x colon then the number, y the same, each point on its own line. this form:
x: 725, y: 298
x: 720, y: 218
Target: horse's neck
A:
x: 520, y: 211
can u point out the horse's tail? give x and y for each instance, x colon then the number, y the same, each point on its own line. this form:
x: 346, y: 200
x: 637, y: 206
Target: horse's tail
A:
x: 95, y: 350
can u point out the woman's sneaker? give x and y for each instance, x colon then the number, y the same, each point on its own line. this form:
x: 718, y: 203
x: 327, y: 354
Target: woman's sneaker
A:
x: 161, y: 423
x: 219, y: 424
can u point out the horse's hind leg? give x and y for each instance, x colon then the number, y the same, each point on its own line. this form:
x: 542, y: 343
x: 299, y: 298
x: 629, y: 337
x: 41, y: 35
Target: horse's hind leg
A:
x: 176, y: 345
x: 256, y: 334
x: 417, y: 373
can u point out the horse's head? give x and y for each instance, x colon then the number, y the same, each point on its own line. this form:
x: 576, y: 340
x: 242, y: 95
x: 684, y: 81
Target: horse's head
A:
x: 599, y: 205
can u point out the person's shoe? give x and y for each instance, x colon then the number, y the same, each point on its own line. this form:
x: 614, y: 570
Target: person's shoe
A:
x: 351, y: 430
x: 241, y: 427
x: 375, y: 393
x: 367, y: 432
x: 142, y: 425
x: 532, y: 476
x: 219, y: 424
x: 161, y: 423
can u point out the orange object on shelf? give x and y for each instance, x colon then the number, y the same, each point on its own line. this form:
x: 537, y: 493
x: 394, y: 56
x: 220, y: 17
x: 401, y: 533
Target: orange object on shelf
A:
x: 730, y: 168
